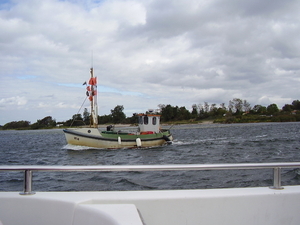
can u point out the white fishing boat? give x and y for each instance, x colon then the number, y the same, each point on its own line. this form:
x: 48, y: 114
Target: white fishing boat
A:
x: 148, y: 133
x: 274, y: 205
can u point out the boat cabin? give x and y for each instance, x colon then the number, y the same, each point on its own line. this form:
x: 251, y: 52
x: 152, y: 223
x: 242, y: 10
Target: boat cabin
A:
x: 149, y: 123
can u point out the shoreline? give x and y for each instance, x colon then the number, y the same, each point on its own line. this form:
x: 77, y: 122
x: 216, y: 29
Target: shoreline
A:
x: 103, y: 126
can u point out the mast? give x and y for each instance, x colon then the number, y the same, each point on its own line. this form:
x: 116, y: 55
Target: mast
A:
x: 93, y: 99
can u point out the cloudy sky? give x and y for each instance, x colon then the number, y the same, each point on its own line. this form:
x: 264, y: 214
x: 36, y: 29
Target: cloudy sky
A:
x: 145, y: 53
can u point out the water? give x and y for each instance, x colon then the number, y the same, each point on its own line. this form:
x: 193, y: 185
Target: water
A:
x: 193, y: 144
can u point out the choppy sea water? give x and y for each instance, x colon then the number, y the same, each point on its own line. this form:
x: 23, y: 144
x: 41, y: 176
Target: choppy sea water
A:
x: 193, y: 144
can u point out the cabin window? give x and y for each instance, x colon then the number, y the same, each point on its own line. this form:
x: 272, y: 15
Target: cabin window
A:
x: 140, y: 120
x: 145, y: 120
x: 154, y: 120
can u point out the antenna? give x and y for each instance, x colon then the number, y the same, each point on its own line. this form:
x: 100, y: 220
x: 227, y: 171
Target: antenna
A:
x: 92, y: 60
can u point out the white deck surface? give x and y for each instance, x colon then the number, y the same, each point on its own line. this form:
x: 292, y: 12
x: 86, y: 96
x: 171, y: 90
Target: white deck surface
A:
x: 238, y: 206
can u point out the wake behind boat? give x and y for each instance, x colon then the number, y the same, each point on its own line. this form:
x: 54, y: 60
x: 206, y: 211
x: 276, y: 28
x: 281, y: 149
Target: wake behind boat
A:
x: 148, y: 133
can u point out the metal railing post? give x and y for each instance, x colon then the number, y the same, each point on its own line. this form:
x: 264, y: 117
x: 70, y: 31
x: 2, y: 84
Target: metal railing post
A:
x: 276, y: 179
x: 27, y: 183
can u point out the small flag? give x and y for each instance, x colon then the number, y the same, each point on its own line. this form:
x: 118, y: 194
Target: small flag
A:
x: 93, y: 81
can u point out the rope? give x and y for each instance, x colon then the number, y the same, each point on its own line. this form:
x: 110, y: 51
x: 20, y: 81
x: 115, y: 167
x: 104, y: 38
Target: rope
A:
x: 79, y: 109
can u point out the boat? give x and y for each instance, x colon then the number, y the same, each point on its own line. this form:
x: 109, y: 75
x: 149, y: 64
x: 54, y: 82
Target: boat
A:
x: 275, y: 205
x: 148, y: 133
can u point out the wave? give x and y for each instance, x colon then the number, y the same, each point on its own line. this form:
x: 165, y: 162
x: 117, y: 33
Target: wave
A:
x: 201, y: 141
x: 85, y: 148
x: 77, y: 147
x: 261, y: 136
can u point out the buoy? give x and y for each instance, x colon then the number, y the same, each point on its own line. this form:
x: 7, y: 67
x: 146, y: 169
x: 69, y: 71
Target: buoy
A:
x: 138, y: 142
x: 119, y: 140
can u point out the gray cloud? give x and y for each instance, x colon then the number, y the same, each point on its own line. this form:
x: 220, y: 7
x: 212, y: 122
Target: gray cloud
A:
x: 145, y: 53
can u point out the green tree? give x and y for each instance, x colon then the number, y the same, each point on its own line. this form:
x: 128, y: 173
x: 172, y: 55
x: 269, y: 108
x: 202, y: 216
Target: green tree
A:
x: 238, y: 105
x: 118, y: 116
x: 272, y: 109
x: 287, y: 108
x: 17, y: 125
x: 213, y: 109
x: 222, y: 106
x: 46, y: 122
x: 175, y: 113
x: 105, y: 119
x: 296, y: 104
x: 86, y: 116
x: 246, y: 106
x: 230, y: 106
x: 167, y: 113
x: 183, y: 114
x: 206, y: 107
x: 132, y: 120
x: 202, y: 111
x: 259, y: 109
x: 194, y: 111
x: 77, y: 117
x: 76, y: 120
x: 221, y: 111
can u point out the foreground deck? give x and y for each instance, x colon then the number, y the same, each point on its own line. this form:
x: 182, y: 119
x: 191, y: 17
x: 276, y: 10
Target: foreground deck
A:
x: 274, y: 205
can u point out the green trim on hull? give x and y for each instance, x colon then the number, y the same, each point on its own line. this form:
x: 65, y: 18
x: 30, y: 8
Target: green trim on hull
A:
x: 133, y: 137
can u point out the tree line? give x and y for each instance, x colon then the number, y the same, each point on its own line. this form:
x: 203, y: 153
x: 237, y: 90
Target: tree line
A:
x: 237, y: 111
x: 47, y: 122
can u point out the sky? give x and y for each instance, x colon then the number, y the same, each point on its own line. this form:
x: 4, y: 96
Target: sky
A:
x: 145, y: 53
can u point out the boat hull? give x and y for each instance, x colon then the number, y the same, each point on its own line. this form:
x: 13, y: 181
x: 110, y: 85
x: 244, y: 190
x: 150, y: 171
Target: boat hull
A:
x: 93, y: 137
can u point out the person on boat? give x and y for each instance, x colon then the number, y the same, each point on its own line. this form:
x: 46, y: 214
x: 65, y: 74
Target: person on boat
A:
x: 109, y: 128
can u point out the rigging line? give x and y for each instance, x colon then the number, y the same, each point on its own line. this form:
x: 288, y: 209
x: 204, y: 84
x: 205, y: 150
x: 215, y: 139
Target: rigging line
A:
x: 79, y: 109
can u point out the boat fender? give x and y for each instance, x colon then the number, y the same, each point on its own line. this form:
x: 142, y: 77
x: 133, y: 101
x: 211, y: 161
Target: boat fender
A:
x: 167, y: 139
x: 119, y: 140
x: 138, y: 142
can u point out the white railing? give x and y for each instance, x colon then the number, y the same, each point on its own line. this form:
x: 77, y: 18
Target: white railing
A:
x: 28, y: 170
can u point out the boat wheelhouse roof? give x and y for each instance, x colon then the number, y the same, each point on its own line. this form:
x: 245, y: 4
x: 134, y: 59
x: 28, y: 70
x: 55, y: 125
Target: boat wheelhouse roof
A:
x: 144, y: 114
